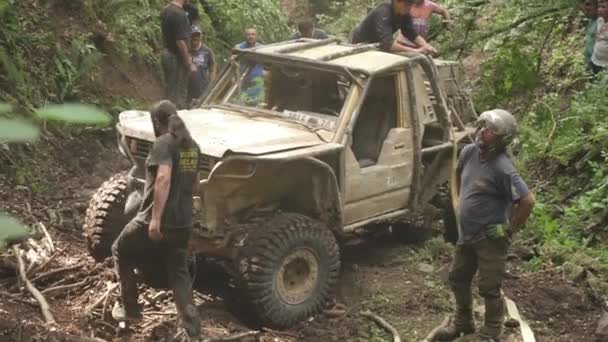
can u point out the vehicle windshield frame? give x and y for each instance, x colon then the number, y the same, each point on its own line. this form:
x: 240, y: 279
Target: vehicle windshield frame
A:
x: 224, y: 100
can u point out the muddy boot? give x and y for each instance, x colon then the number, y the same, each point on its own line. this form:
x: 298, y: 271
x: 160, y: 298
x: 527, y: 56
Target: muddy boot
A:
x: 494, y: 316
x: 463, y: 323
x: 454, y: 331
x: 192, y: 323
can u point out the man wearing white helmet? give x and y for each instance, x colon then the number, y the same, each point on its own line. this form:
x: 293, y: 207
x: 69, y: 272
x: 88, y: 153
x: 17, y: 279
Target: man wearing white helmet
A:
x: 494, y: 203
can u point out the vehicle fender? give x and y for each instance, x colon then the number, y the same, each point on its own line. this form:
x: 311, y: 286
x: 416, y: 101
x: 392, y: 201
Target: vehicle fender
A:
x: 240, y: 184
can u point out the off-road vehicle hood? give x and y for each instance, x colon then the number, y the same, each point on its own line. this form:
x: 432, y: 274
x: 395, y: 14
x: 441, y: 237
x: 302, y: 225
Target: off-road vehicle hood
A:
x: 218, y: 131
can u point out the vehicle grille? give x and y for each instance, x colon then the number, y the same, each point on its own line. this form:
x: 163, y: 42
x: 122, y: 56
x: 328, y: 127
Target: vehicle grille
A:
x: 141, y: 148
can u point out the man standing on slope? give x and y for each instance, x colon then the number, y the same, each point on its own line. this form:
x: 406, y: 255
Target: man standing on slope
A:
x: 494, y: 203
x: 175, y: 58
x: 382, y: 22
x: 164, y: 222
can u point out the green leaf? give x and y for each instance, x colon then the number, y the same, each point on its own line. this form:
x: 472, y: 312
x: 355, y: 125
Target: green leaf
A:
x: 12, y: 130
x: 75, y: 113
x: 5, y: 108
x: 10, y: 230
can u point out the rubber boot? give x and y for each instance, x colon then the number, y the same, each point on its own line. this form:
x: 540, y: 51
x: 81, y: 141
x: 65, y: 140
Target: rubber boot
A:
x: 463, y: 323
x: 494, y: 316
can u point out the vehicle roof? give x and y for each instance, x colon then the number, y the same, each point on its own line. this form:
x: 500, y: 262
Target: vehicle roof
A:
x: 330, y: 52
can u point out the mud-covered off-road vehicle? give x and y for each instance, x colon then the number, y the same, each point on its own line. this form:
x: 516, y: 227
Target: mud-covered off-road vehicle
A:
x: 302, y: 142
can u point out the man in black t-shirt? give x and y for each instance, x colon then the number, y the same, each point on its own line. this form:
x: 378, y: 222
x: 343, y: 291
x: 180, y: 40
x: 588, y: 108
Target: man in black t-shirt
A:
x: 382, y: 22
x: 175, y: 59
x: 160, y: 231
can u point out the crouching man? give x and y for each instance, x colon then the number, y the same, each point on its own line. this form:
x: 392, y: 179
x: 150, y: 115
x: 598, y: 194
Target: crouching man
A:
x: 494, y: 203
x: 164, y: 220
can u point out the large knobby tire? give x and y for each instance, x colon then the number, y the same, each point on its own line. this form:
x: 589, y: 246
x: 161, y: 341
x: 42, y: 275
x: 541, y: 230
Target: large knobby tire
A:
x: 105, y: 216
x: 288, y: 269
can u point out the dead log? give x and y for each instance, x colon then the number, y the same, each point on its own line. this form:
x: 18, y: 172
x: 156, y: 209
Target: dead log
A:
x: 383, y: 323
x: 44, y: 305
x: 431, y: 336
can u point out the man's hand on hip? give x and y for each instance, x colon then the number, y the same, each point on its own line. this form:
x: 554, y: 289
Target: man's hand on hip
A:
x: 154, y: 230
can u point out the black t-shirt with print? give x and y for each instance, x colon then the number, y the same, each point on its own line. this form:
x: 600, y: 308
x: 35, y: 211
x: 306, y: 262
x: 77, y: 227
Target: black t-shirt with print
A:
x: 184, y: 167
x: 175, y: 26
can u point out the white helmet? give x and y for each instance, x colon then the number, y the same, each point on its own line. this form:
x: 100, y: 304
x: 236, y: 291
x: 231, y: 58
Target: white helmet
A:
x: 501, y: 122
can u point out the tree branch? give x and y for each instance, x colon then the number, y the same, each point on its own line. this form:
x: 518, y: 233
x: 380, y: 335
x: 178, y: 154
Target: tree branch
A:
x: 514, y: 24
x: 44, y: 305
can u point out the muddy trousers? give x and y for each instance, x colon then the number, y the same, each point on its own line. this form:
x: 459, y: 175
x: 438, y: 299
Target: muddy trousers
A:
x: 170, y: 254
x: 489, y: 257
x: 175, y: 78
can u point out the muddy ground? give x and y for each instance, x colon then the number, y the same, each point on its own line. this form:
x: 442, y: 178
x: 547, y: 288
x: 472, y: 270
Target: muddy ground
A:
x: 403, y: 283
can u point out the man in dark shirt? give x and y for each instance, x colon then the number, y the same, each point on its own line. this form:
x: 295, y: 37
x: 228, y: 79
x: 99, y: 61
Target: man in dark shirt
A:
x: 494, y: 203
x: 306, y: 29
x: 382, y: 22
x: 204, y: 59
x: 175, y: 58
x: 163, y: 224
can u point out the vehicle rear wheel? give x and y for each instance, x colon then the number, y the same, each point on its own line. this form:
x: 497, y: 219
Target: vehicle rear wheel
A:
x: 288, y: 269
x: 105, y: 216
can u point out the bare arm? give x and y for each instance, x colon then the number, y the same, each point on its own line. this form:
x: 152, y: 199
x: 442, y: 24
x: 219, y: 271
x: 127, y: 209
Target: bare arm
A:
x: 396, y: 48
x: 425, y: 47
x: 521, y: 211
x: 213, y: 73
x: 183, y: 51
x: 162, y: 185
x: 447, y: 20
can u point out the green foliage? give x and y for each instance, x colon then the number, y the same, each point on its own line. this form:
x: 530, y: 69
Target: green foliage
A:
x: 377, y: 334
x: 509, y: 73
x: 73, y: 66
x: 10, y: 230
x: 17, y: 131
x: 75, y: 113
x: 232, y: 17
x: 342, y: 16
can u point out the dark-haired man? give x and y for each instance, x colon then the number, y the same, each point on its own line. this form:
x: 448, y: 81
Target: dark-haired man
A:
x: 161, y: 229
x: 386, y: 19
x: 306, y: 29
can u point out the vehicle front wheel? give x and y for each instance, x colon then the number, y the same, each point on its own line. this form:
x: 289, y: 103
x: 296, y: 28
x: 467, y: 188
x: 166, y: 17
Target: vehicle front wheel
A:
x: 288, y: 269
x: 105, y: 217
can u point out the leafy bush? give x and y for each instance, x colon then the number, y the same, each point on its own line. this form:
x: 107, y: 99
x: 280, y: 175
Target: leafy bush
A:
x: 18, y: 131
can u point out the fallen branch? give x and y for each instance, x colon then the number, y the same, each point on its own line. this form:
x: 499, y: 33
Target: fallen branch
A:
x: 47, y: 236
x: 234, y: 337
x: 44, y: 305
x: 431, y: 336
x: 383, y: 323
x: 56, y: 271
x: 18, y: 299
x: 65, y: 287
x: 282, y: 333
x: 101, y: 299
x: 41, y: 267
